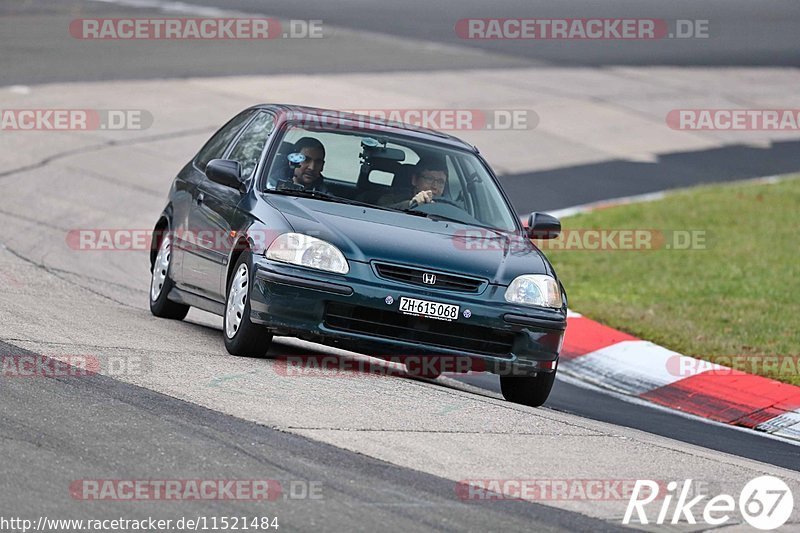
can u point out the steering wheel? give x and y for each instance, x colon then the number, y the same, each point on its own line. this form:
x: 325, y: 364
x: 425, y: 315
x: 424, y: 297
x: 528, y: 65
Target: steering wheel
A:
x: 416, y: 204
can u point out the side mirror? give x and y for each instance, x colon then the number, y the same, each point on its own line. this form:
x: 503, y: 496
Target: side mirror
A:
x: 225, y: 172
x: 543, y: 226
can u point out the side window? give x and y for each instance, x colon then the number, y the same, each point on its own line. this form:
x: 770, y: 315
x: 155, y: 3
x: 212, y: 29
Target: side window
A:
x: 215, y: 147
x: 248, y: 148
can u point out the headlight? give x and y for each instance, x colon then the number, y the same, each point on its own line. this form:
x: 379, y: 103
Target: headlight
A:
x: 535, y: 289
x: 307, y: 251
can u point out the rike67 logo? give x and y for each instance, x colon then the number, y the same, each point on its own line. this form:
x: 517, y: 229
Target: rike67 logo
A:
x: 765, y: 503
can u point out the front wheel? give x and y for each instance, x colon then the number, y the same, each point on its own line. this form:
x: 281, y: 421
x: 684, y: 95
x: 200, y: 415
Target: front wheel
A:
x: 527, y: 390
x: 161, y: 284
x: 242, y: 337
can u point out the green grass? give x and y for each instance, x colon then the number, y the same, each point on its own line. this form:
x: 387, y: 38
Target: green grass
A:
x: 739, y: 296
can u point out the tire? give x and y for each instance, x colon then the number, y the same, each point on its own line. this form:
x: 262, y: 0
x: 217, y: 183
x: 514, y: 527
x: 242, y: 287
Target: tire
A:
x: 242, y: 337
x: 527, y: 390
x: 161, y: 284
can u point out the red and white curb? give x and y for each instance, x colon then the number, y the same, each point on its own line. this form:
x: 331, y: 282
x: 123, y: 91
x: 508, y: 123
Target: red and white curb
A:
x: 616, y: 361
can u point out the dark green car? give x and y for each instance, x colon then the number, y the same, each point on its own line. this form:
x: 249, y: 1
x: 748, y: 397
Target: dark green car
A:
x: 375, y: 237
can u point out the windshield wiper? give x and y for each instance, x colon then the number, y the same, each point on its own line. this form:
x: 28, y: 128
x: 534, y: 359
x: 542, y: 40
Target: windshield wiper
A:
x: 308, y: 193
x: 438, y: 218
x: 432, y: 216
x: 411, y: 212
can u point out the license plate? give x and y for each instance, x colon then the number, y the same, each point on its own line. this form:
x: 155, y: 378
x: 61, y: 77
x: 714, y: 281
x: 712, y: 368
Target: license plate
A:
x: 411, y: 306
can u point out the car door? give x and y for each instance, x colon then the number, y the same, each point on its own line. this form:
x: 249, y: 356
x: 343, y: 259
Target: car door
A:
x: 215, y: 208
x: 184, y: 248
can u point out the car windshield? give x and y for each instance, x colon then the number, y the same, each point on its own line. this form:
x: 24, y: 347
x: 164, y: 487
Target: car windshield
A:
x: 388, y: 171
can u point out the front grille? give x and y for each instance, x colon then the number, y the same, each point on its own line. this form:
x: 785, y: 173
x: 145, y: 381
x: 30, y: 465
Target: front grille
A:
x: 416, y: 276
x: 428, y: 331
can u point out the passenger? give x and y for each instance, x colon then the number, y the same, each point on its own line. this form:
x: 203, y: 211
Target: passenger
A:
x: 428, y: 182
x: 308, y: 174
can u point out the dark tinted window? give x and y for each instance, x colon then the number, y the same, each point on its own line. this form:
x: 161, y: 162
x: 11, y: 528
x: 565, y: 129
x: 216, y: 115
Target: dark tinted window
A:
x: 216, y: 146
x: 251, y: 143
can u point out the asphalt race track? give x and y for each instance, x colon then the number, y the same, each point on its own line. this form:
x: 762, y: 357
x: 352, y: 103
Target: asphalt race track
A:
x: 387, y: 452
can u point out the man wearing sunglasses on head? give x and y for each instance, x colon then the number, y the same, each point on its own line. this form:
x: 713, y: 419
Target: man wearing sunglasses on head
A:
x: 428, y: 182
x: 306, y: 173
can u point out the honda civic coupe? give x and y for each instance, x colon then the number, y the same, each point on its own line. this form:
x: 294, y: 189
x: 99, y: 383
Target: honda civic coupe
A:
x: 376, y: 237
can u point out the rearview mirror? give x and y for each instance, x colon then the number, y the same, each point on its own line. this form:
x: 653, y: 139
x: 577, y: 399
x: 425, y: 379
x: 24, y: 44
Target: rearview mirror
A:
x: 543, y: 226
x: 372, y: 148
x: 225, y: 172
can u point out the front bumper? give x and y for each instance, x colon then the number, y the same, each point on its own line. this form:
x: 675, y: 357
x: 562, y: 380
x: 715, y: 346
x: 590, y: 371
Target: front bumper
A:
x: 359, y: 312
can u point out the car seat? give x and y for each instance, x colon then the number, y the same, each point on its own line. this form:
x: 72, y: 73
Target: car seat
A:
x: 280, y: 169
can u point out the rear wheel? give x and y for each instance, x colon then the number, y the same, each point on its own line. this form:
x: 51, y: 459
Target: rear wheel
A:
x: 161, y: 284
x: 527, y: 390
x: 242, y: 337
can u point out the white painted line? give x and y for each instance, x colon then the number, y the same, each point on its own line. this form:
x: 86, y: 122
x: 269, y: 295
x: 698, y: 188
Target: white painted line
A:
x: 651, y: 197
x: 586, y: 208
x: 20, y: 89
x: 173, y: 7
x: 786, y: 425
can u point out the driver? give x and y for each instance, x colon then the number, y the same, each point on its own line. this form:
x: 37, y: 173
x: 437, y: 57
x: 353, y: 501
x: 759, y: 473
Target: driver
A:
x: 427, y: 183
x: 308, y: 174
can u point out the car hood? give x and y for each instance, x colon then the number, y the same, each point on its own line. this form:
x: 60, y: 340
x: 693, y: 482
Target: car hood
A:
x: 365, y: 234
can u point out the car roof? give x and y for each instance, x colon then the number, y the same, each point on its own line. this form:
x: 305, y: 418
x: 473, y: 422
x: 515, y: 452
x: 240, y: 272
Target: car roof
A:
x: 322, y: 116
